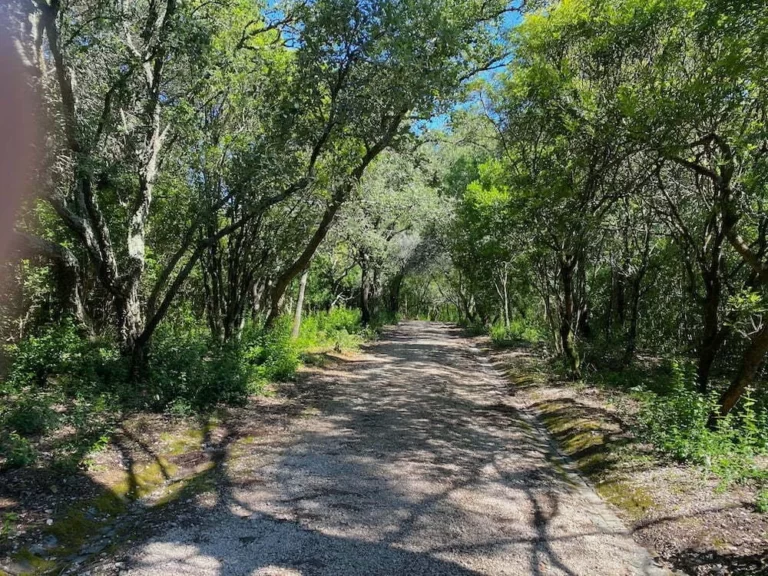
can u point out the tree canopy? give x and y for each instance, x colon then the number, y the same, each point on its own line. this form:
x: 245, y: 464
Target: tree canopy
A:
x: 590, y: 176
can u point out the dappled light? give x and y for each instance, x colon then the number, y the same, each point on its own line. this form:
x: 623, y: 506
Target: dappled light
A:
x: 384, y: 287
x: 417, y: 464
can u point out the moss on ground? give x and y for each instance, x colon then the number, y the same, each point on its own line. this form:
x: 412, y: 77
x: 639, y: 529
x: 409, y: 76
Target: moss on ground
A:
x: 143, y: 480
x: 183, y: 442
x: 633, y: 500
x: 198, y: 483
x: 32, y: 565
x: 586, y: 438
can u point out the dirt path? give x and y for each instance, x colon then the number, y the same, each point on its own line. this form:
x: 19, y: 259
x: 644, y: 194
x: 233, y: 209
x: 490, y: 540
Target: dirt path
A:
x: 411, y: 463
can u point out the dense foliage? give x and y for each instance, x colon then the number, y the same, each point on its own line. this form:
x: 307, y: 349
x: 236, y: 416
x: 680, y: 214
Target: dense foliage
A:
x: 587, y: 175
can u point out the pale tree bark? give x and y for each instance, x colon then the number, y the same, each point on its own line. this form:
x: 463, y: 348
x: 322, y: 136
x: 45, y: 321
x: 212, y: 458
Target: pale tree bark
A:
x: 365, y: 290
x: 299, y: 304
x: 80, y: 210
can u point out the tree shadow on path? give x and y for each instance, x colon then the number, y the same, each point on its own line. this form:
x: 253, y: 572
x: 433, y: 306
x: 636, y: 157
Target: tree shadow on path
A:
x: 412, y: 464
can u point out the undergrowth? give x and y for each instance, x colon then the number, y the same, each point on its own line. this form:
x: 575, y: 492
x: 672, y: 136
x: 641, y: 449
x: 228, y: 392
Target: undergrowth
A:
x: 676, y: 423
x: 58, y: 380
x: 518, y: 331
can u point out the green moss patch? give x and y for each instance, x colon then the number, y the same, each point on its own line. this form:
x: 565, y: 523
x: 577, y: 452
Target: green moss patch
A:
x: 74, y: 529
x: 199, y: 483
x: 633, y: 500
x: 183, y: 442
x: 143, y: 480
x: 32, y: 565
x: 589, y: 438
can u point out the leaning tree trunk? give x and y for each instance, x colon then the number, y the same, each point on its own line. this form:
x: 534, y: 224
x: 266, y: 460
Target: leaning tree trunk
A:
x: 282, y: 282
x: 750, y: 364
x: 713, y: 334
x: 299, y: 304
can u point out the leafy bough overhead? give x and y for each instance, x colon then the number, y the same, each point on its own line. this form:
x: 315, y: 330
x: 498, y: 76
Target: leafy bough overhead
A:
x: 176, y: 126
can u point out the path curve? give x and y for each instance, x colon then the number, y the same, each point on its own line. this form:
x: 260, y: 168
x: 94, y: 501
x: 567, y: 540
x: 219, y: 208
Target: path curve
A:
x: 413, y: 463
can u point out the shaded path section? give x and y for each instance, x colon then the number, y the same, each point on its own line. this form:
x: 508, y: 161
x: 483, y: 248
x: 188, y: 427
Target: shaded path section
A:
x: 410, y: 462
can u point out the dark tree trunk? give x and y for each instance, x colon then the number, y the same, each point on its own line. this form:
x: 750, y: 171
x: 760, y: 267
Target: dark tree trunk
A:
x: 284, y: 280
x: 339, y: 197
x: 66, y: 272
x: 634, y: 311
x: 584, y: 315
x: 394, y: 292
x: 620, y: 300
x: 365, y: 294
x: 713, y: 335
x: 750, y: 364
x: 567, y: 320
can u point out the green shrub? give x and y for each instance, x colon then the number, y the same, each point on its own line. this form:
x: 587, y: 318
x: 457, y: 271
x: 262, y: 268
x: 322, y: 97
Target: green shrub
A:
x: 339, y: 328
x: 384, y: 318
x: 39, y: 356
x: 271, y: 354
x: 676, y: 425
x: 29, y: 417
x: 17, y: 451
x: 475, y: 328
x: 186, y: 366
x: 339, y: 319
x: 60, y: 356
x: 761, y: 502
x: 518, y: 331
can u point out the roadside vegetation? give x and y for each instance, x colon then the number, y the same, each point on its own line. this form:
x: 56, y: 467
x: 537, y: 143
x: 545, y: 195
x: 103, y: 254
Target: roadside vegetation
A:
x: 227, y: 191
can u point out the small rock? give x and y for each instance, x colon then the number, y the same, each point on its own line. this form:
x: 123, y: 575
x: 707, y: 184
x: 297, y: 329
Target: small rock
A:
x: 49, y: 522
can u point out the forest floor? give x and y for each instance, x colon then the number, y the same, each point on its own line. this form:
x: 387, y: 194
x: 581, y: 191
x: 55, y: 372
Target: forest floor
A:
x: 411, y: 458
x: 691, y: 519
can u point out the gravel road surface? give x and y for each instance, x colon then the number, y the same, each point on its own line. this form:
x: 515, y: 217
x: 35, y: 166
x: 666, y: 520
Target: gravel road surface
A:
x: 412, y: 462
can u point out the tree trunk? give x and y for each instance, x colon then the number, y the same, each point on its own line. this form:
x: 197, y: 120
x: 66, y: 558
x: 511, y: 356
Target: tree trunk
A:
x: 567, y: 320
x: 257, y: 292
x: 713, y: 335
x: 130, y: 319
x: 634, y: 309
x: 505, y: 298
x: 284, y: 280
x: 394, y: 292
x: 365, y: 293
x: 750, y: 364
x: 339, y: 197
x: 620, y: 307
x: 299, y: 304
x: 374, y: 292
x: 66, y: 271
